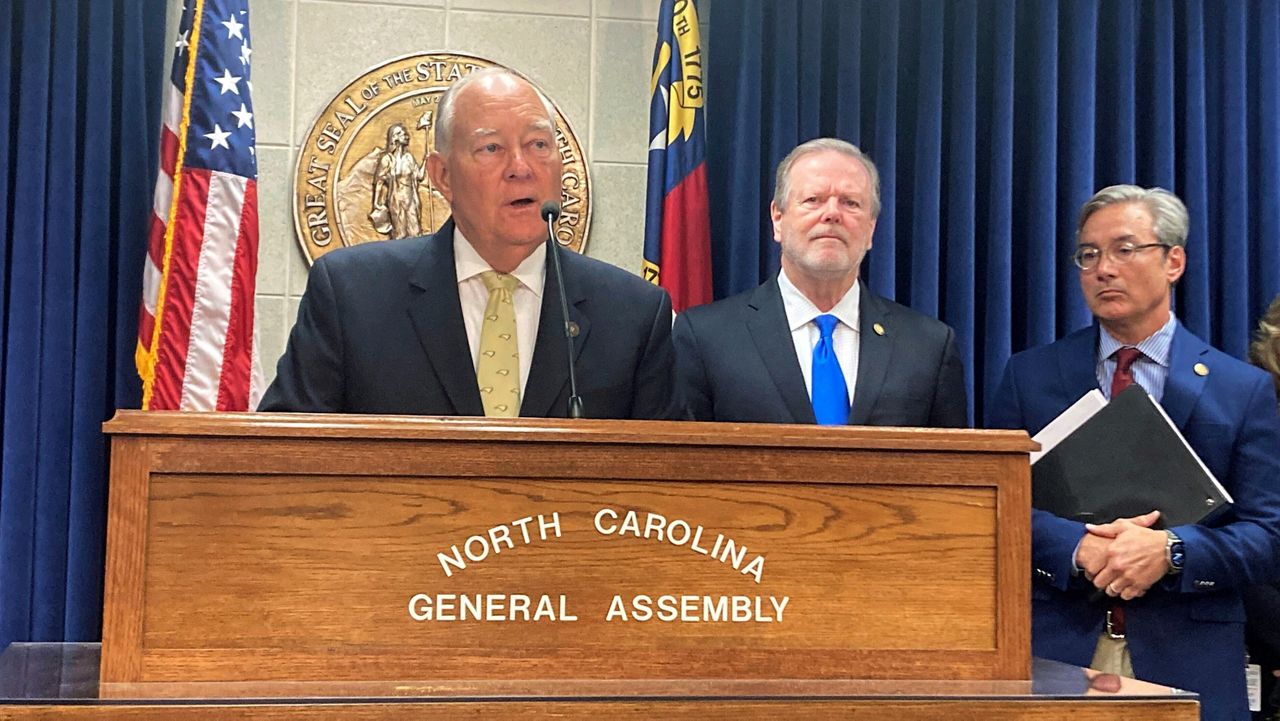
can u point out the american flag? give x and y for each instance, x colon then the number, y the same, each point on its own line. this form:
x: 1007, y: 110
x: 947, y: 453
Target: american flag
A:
x: 196, y: 344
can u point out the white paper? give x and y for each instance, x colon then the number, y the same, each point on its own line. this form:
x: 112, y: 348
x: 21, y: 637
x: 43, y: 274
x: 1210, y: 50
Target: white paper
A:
x: 1253, y: 686
x: 1067, y: 422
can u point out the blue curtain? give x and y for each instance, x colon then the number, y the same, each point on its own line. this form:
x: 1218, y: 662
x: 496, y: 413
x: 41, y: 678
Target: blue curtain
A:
x: 991, y: 122
x: 81, y: 84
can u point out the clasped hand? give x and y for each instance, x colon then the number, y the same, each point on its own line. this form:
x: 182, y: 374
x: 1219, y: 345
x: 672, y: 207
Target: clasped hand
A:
x: 1125, y: 557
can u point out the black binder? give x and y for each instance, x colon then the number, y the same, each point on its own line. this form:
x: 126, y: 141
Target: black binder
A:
x: 1126, y: 460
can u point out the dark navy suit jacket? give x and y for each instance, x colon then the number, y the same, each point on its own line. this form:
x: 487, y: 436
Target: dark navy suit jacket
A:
x: 736, y: 362
x: 1187, y: 631
x: 380, y: 330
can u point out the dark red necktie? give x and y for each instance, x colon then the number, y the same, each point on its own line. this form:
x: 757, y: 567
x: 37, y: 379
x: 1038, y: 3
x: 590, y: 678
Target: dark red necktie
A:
x: 1123, y: 378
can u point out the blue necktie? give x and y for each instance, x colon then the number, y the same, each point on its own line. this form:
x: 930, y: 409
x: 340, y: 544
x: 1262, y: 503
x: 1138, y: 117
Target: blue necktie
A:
x: 830, y: 394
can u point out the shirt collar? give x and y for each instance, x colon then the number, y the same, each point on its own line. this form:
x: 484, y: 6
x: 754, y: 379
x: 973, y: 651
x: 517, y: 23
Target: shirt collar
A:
x: 801, y: 311
x: 531, y: 272
x: 1155, y: 347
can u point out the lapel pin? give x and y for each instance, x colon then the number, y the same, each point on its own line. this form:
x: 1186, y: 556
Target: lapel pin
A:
x: 573, y: 329
x: 1201, y: 369
x: 879, y: 329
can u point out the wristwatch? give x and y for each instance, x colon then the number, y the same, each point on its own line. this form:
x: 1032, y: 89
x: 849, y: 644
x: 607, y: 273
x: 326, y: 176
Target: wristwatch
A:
x: 1174, y: 552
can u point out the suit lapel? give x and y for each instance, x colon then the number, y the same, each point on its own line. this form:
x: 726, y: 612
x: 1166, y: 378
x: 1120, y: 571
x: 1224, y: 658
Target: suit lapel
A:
x: 1183, y: 386
x: 437, y: 319
x: 1078, y: 363
x: 772, y: 337
x: 874, y: 351
x: 549, y: 370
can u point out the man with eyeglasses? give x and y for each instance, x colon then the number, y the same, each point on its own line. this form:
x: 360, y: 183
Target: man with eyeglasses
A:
x: 1171, y: 612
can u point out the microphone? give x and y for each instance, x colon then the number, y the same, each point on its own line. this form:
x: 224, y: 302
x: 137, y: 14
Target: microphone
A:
x: 551, y: 213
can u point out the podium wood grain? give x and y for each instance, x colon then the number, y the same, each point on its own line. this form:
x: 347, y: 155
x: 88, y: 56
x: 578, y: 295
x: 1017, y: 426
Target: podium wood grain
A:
x: 277, y: 547
x: 883, y: 709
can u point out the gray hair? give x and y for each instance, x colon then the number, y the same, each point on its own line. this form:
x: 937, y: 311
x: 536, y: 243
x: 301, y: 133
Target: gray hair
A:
x: 445, y: 110
x: 782, y: 185
x: 1168, y: 214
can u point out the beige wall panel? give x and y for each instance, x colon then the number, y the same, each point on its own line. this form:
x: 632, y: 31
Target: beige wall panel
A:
x: 298, y: 268
x: 338, y: 42
x: 273, y: 327
x: 623, y: 58
x: 275, y: 220
x: 580, y: 8
x: 554, y: 51
x: 617, y: 224
x: 418, y: 3
x: 271, y: 26
x: 628, y: 10
x: 173, y: 13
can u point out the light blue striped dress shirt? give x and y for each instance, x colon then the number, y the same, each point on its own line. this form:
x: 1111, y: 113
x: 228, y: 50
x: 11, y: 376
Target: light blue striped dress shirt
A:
x: 1150, y: 370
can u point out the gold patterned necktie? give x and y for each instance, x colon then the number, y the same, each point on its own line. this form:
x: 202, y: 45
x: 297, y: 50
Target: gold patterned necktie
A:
x: 498, y: 367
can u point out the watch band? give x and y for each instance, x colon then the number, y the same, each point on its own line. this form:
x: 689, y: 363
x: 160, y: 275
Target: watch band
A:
x: 1174, y: 552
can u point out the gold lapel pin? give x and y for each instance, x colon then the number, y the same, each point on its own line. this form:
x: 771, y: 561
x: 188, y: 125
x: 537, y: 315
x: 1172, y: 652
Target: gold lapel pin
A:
x: 879, y: 329
x: 573, y: 329
x: 1201, y: 369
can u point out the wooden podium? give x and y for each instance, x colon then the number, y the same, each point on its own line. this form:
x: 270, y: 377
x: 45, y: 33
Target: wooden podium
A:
x: 271, y: 547
x: 273, y: 567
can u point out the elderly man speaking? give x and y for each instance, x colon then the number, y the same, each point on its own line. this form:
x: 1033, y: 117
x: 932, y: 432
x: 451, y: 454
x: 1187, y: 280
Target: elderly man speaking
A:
x: 467, y: 321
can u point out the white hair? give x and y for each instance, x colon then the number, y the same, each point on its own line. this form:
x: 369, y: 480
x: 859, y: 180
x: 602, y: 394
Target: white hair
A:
x: 782, y: 184
x: 445, y: 110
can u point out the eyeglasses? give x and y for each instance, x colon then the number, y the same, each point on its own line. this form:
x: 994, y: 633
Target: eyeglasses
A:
x: 1086, y: 257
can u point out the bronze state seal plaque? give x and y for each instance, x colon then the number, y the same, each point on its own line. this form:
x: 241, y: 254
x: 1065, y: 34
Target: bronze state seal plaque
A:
x: 362, y: 169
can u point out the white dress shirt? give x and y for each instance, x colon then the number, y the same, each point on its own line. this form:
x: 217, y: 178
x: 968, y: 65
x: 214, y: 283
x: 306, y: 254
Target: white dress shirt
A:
x: 474, y: 296
x: 804, y: 332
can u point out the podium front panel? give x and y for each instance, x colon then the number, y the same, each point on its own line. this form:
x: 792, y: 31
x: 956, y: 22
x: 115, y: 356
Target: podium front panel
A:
x: 261, y: 547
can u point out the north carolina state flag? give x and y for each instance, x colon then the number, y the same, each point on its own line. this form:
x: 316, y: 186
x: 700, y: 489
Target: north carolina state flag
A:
x: 677, y: 232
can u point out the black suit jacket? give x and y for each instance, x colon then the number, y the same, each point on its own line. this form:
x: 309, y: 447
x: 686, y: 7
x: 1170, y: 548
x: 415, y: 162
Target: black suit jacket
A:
x: 736, y: 362
x: 380, y: 330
